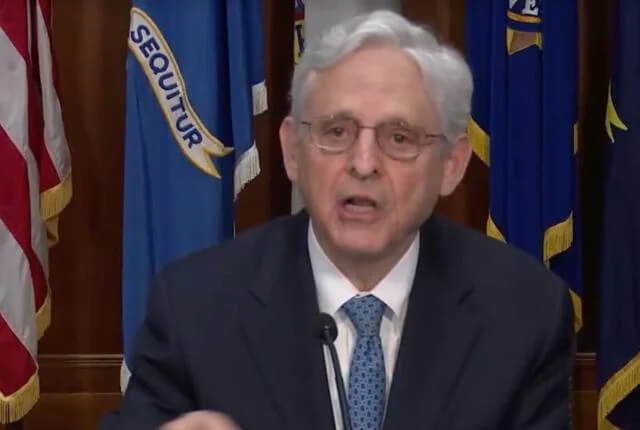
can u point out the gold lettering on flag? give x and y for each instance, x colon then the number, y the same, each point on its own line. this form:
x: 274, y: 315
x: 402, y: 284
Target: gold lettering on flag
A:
x: 152, y: 51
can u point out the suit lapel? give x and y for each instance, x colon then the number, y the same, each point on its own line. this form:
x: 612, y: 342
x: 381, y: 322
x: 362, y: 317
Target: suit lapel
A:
x: 438, y: 336
x: 279, y: 322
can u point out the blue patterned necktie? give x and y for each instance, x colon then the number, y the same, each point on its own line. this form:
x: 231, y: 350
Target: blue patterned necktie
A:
x: 366, y: 392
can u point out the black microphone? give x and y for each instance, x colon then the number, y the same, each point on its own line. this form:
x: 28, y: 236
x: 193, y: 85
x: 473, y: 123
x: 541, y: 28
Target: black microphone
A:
x: 327, y: 331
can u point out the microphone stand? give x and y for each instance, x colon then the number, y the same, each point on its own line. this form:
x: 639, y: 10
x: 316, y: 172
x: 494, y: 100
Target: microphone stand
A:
x: 328, y: 331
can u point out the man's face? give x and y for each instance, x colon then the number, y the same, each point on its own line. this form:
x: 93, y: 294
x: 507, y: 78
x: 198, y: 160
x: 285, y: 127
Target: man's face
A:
x: 364, y: 205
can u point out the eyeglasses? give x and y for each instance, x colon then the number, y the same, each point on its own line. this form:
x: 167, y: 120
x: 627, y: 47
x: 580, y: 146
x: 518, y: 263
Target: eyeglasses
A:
x: 396, y: 139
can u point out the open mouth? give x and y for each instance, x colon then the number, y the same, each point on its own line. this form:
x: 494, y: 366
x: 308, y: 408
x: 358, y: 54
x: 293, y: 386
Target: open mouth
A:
x: 359, y: 204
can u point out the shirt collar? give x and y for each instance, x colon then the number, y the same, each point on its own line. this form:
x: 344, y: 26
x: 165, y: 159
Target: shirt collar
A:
x: 334, y: 288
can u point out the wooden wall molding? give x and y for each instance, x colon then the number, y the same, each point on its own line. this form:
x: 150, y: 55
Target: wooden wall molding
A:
x: 80, y: 373
x: 79, y: 360
x: 66, y: 373
x: 585, y: 375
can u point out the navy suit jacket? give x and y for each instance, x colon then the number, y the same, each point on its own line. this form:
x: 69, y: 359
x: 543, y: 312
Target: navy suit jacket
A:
x: 487, y: 341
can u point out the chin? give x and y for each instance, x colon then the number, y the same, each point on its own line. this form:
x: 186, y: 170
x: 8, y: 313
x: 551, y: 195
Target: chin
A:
x: 361, y: 246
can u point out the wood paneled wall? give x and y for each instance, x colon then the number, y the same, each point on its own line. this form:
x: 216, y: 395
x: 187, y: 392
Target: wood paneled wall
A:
x: 81, y: 351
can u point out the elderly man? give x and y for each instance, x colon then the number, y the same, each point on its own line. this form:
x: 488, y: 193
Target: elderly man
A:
x: 439, y: 327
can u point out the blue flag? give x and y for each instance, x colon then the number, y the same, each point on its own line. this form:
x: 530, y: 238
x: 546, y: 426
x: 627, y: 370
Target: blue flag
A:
x: 195, y: 78
x: 523, y: 55
x: 619, y: 301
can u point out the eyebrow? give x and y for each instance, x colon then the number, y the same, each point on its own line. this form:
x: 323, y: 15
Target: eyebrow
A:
x: 349, y: 114
x: 399, y: 119
x: 339, y: 115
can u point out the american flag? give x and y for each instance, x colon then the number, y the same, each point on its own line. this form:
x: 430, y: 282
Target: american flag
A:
x: 35, y: 185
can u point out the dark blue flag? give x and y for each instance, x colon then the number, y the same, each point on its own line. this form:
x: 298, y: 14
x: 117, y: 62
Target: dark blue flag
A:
x: 619, y: 301
x: 195, y: 78
x: 523, y: 55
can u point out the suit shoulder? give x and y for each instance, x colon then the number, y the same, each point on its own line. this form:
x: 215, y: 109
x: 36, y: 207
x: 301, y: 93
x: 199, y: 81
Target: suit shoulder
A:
x: 231, y: 264
x: 499, y: 270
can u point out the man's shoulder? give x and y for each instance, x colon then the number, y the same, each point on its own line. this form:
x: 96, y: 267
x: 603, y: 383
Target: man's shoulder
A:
x: 232, y: 263
x: 500, y: 273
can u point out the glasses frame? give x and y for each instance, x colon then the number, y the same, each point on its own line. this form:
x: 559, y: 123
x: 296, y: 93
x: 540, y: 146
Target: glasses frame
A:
x: 428, y: 139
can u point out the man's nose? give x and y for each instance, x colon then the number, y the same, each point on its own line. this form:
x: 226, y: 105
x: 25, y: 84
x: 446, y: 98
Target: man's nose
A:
x: 365, y: 154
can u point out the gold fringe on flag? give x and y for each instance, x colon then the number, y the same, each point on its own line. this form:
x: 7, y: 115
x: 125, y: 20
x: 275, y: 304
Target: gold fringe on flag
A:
x: 52, y: 202
x: 43, y: 315
x: 557, y: 238
x: 606, y: 425
x: 616, y: 389
x: 479, y: 140
x: 493, y: 230
x: 18, y: 404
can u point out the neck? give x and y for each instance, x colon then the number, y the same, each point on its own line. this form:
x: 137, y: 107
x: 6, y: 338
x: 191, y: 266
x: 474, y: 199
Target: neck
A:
x: 365, y: 277
x: 366, y: 271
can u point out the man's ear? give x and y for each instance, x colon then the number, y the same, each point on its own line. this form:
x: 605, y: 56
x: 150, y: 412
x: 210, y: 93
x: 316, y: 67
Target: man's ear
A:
x: 290, y: 148
x: 455, y: 165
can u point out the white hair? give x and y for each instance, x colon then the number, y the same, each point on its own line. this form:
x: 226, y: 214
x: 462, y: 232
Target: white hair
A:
x: 444, y: 71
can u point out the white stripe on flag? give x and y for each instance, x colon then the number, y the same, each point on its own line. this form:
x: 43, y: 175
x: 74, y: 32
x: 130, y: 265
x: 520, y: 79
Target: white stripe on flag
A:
x: 54, y: 137
x: 14, y: 120
x: 17, y: 304
x: 13, y: 91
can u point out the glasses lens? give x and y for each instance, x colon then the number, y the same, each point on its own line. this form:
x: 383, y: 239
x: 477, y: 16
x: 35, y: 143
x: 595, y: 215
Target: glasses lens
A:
x: 399, y: 140
x: 335, y: 134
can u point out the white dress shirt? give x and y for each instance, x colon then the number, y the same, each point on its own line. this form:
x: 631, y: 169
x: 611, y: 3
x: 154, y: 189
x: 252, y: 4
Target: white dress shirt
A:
x: 334, y: 289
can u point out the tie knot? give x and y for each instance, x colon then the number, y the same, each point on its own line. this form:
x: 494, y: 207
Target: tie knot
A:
x: 365, y: 313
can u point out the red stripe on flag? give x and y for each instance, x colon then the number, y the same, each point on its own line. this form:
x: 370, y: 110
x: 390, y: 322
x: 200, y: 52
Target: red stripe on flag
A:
x: 15, y: 211
x: 17, y: 364
x: 14, y: 22
x: 47, y: 173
